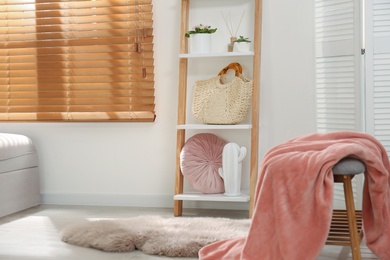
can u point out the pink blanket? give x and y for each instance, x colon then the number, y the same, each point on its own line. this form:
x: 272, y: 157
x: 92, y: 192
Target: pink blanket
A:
x: 294, y: 196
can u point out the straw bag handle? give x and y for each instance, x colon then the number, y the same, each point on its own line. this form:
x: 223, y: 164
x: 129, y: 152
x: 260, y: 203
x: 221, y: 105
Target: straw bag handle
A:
x: 234, y: 66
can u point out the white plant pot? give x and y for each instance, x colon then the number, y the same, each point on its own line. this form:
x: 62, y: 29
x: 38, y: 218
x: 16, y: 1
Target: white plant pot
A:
x: 242, y: 46
x: 200, y: 43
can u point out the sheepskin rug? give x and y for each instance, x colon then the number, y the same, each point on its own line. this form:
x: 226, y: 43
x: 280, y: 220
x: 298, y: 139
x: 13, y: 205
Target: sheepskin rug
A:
x: 154, y: 235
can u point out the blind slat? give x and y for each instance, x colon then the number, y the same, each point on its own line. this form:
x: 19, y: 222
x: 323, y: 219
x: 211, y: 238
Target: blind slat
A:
x: 113, y: 51
x: 70, y: 9
x: 111, y: 2
x: 81, y: 42
x: 133, y: 85
x: 62, y: 66
x: 77, y: 27
x: 70, y: 102
x: 79, y: 79
x: 116, y: 116
x: 40, y: 22
x: 107, y: 34
x: 78, y: 94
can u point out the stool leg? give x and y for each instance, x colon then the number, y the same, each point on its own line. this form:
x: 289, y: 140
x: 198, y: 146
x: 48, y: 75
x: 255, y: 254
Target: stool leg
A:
x: 350, y: 204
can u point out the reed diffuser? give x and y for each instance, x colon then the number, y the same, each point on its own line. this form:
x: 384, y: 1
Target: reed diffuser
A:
x: 233, y: 34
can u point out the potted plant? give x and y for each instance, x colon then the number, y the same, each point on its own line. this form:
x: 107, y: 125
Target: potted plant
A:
x: 242, y: 44
x: 200, y: 38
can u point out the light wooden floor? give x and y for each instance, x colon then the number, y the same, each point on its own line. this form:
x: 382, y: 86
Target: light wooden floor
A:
x: 33, y: 234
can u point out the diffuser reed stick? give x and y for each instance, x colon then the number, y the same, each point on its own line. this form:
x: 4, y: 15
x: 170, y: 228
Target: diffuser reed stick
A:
x: 229, y: 25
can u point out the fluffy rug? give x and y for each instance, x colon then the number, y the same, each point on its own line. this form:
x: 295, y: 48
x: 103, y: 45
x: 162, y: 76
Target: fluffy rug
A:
x: 155, y: 235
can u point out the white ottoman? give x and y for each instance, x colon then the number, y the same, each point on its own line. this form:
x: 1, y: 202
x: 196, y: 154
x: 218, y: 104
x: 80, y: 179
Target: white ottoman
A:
x: 19, y: 175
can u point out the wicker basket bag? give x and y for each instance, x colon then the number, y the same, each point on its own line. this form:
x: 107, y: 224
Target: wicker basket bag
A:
x: 216, y: 101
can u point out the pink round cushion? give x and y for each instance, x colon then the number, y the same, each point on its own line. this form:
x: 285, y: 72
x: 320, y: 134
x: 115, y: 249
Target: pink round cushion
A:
x: 200, y: 159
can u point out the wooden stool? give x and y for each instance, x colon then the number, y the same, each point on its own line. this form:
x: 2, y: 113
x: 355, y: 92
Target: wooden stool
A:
x: 346, y: 224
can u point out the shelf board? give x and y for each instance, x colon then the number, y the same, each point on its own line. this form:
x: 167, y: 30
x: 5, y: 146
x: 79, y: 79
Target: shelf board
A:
x: 198, y: 196
x: 205, y: 127
x: 217, y: 54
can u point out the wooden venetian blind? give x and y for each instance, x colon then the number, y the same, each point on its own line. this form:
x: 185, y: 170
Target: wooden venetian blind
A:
x: 80, y: 60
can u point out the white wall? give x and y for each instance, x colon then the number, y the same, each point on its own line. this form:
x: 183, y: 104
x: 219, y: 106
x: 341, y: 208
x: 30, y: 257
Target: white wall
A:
x: 287, y: 85
x: 134, y: 163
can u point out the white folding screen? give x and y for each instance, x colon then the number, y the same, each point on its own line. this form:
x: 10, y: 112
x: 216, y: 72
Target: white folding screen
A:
x: 377, y: 27
x: 338, y: 51
x: 338, y: 73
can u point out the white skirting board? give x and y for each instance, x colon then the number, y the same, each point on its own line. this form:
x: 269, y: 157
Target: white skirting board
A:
x: 133, y: 200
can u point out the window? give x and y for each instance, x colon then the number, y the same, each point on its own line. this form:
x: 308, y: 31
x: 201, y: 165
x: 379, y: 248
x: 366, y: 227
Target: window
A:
x: 80, y: 60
